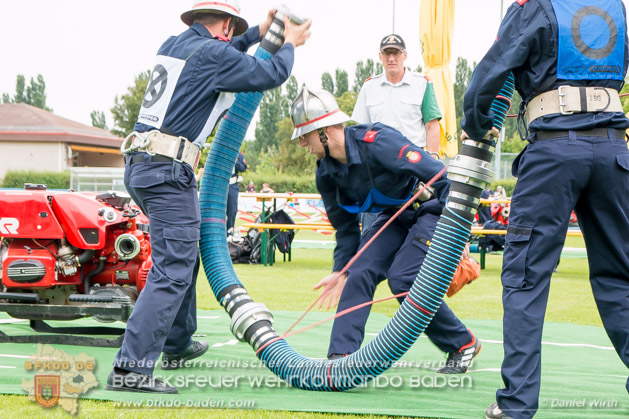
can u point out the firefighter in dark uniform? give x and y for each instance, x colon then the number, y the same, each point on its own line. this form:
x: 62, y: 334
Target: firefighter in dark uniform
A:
x: 374, y: 168
x: 569, y: 59
x: 232, y: 194
x: 187, y: 94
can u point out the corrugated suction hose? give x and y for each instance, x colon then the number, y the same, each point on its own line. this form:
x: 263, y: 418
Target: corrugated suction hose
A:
x: 469, y: 172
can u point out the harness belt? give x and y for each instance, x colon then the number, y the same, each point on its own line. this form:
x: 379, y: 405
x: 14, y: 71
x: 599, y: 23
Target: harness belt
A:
x: 596, y: 132
x: 155, y: 142
x: 567, y: 100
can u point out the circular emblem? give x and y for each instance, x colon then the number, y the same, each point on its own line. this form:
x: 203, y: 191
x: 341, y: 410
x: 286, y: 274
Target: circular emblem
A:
x: 577, y: 20
x: 157, y: 86
x: 413, y: 156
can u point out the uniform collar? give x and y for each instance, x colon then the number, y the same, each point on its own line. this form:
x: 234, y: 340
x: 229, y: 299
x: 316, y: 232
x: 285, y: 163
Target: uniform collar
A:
x: 405, y: 79
x: 202, y: 31
x: 330, y: 166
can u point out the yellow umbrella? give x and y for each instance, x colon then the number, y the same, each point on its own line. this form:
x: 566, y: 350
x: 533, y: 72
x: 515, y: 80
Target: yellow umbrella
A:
x: 436, y: 25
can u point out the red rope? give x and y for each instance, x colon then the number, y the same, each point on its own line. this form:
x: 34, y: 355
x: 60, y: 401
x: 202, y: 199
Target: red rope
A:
x: 349, y: 264
x: 327, y: 319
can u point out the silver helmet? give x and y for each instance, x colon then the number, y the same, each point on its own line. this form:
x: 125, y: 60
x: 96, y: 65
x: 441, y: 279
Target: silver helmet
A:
x: 312, y: 110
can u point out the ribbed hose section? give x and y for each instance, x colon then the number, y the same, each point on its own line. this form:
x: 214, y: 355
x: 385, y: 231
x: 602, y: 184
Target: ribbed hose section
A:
x: 214, y: 186
x: 423, y: 300
x: 251, y: 322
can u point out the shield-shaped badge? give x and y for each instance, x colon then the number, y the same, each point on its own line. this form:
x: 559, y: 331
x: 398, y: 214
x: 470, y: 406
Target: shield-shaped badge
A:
x: 47, y: 389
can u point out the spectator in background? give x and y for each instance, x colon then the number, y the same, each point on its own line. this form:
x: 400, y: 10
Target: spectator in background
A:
x: 232, y: 195
x: 484, y: 210
x: 251, y: 187
x: 500, y: 192
x: 266, y: 188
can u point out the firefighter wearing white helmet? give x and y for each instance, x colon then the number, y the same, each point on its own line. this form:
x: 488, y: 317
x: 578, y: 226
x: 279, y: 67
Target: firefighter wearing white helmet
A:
x: 190, y: 87
x: 374, y: 168
x: 228, y: 7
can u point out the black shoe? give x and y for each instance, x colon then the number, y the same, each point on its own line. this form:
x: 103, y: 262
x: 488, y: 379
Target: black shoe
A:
x: 459, y: 361
x: 138, y: 383
x: 174, y: 361
x: 494, y: 412
x: 332, y: 357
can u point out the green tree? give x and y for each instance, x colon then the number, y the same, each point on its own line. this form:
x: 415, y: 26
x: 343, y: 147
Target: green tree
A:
x: 290, y: 157
x: 364, y: 70
x: 127, y: 107
x: 33, y: 94
x: 272, y: 110
x: 512, y: 145
x: 625, y: 100
x: 292, y: 88
x: 98, y: 119
x: 463, y: 74
x: 327, y: 83
x: 347, y: 101
x: 342, y: 83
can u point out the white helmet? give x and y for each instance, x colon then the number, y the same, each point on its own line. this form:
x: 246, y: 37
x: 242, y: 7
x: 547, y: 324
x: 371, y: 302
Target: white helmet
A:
x: 312, y: 110
x: 231, y: 7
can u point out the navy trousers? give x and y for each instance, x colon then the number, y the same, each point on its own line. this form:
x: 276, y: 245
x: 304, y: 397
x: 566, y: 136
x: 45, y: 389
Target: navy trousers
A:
x: 232, y: 205
x: 590, y: 175
x: 164, y: 317
x: 397, y: 254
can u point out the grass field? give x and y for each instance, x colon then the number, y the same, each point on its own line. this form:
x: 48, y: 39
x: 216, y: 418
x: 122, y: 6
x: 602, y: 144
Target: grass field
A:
x: 288, y: 286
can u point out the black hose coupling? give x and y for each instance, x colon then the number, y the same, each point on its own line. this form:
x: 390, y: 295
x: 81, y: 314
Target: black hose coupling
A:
x: 274, y: 37
x: 470, y: 172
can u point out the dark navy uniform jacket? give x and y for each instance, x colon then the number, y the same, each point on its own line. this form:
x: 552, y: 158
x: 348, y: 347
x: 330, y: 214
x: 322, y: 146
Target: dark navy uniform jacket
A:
x: 527, y: 44
x: 211, y: 66
x: 396, y: 165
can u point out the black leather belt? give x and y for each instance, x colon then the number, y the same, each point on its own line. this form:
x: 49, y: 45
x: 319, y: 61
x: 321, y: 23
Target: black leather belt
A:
x: 596, y: 132
x: 139, y: 158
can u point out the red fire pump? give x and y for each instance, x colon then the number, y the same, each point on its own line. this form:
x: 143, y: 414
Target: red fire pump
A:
x: 68, y: 255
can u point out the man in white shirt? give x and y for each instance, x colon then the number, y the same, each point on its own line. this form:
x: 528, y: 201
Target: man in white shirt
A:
x: 400, y: 98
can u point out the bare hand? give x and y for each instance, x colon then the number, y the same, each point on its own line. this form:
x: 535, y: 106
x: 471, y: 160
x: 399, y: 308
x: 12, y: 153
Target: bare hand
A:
x: 296, y: 34
x: 466, y: 252
x: 332, y: 288
x: 264, y: 26
x: 495, y: 132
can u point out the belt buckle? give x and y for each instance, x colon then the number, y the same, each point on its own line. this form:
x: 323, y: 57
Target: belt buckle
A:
x: 183, y: 149
x: 562, y: 102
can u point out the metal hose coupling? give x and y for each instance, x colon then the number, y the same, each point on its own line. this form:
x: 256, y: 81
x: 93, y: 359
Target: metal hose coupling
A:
x: 470, y: 171
x: 250, y: 321
x: 274, y: 37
